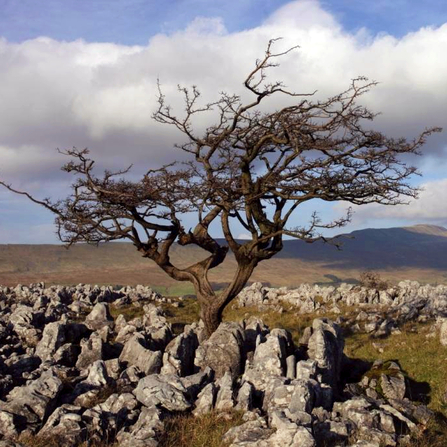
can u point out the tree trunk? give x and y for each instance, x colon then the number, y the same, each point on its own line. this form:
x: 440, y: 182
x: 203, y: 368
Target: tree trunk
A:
x: 211, y: 315
x: 212, y: 305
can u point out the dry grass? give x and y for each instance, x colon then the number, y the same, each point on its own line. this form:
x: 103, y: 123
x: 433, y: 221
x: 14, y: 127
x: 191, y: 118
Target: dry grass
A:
x: 55, y: 441
x: 202, y: 431
x: 422, y: 358
x: 129, y: 312
x: 119, y: 263
x: 435, y: 435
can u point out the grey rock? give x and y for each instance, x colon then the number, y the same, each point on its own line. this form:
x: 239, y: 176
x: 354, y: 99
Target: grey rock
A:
x: 251, y: 433
x: 306, y: 369
x: 9, y: 443
x: 397, y: 414
x: 36, y: 400
x: 97, y: 374
x: 164, y: 390
x: 376, y: 436
x: 224, y: 399
x: 256, y: 434
x: 136, y: 353
x: 8, y: 427
x: 178, y: 357
x: 443, y: 332
x: 196, y: 382
x: 270, y: 357
x: 291, y: 437
x: 245, y: 397
x: 91, y: 350
x: 205, y: 400
x: 23, y: 320
x: 113, y: 368
x: 332, y: 432
x: 419, y: 413
x: 67, y: 354
x: 99, y: 317
x: 53, y: 338
x: 223, y: 351
x: 66, y: 425
x: 393, y: 387
x: 253, y: 328
x: 326, y: 346
x: 291, y: 366
x: 146, y: 432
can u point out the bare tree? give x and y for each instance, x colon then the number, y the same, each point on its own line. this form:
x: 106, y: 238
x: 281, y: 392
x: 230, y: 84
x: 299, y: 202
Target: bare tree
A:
x: 251, y: 167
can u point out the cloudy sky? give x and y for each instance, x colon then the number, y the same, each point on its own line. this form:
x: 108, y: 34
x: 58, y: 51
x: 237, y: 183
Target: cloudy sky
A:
x: 83, y: 73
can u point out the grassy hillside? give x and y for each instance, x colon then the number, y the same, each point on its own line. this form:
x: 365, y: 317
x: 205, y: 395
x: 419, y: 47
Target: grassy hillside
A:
x: 396, y: 253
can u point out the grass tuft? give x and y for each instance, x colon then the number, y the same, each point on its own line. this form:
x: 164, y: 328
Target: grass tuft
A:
x: 202, y: 431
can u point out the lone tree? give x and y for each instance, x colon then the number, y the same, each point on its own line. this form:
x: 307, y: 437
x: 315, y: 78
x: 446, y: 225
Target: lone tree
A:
x: 251, y: 167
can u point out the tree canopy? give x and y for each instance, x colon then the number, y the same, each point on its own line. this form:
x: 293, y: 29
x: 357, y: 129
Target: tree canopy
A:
x: 251, y: 167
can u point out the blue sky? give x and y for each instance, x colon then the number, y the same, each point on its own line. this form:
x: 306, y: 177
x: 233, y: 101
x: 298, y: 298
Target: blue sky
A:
x: 82, y: 73
x: 133, y: 22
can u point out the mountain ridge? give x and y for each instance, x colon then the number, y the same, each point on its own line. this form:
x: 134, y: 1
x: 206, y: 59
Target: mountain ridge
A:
x: 415, y: 252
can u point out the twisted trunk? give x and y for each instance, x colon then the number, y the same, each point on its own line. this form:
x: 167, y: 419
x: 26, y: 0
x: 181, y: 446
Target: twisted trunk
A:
x: 212, y: 305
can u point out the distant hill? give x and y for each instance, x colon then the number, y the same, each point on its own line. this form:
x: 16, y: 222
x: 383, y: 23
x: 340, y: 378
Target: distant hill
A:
x: 417, y: 252
x: 419, y: 246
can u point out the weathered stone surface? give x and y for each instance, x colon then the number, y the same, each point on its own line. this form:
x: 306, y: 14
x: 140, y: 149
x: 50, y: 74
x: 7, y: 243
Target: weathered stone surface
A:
x: 24, y: 320
x: 251, y: 433
x: 99, y: 317
x: 97, y: 374
x: 245, y: 397
x: 67, y: 354
x: 306, y: 369
x: 145, y: 432
x: 291, y: 437
x: 443, y: 332
x: 178, y: 357
x: 34, y: 401
x: 270, y: 356
x: 223, y: 351
x: 393, y: 387
x: 53, y: 338
x: 91, y: 350
x: 256, y: 434
x: 326, y: 346
x: 164, y: 390
x: 419, y: 413
x: 294, y: 393
x: 205, y: 400
x: 8, y: 443
x: 291, y: 366
x: 225, y: 398
x: 196, y: 382
x: 296, y: 396
x: 66, y: 425
x: 135, y: 353
x: 8, y: 427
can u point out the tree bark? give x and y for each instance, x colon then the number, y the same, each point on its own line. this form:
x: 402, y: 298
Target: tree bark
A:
x: 211, y: 314
x: 212, y: 305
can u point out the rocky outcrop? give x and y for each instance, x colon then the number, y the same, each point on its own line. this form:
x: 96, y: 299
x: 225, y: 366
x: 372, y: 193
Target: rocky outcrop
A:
x: 121, y: 380
x: 325, y: 347
x: 136, y: 352
x: 223, y: 351
x: 382, y: 311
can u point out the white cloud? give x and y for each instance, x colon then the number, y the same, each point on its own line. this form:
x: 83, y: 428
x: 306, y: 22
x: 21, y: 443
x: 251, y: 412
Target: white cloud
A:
x: 102, y: 95
x: 243, y: 236
x: 60, y: 94
x: 429, y: 207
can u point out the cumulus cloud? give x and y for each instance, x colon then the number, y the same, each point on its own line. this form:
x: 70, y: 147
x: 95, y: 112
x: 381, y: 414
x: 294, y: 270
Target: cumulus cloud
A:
x: 60, y: 94
x: 102, y: 95
x: 429, y: 207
